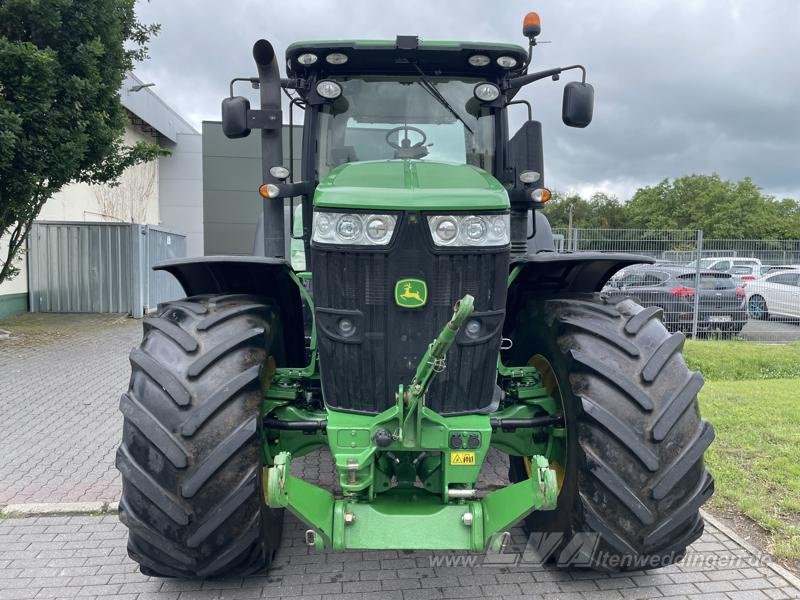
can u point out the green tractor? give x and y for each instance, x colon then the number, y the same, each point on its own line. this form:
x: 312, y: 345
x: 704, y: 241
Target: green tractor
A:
x: 434, y: 324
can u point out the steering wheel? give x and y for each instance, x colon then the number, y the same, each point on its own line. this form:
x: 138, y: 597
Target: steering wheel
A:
x: 405, y: 143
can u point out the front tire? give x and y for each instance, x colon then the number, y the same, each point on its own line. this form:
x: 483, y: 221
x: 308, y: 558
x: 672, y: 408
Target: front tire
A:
x: 757, y: 307
x: 635, y: 477
x: 190, y: 456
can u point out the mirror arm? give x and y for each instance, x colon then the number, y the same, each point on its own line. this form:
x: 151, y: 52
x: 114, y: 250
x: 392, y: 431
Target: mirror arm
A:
x: 252, y: 80
x: 290, y: 190
x: 518, y: 82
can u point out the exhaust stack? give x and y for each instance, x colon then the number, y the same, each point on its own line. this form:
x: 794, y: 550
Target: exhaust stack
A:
x: 271, y: 144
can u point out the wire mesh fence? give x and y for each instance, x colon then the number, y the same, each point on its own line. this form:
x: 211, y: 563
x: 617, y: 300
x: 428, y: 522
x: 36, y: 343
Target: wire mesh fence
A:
x: 728, y: 288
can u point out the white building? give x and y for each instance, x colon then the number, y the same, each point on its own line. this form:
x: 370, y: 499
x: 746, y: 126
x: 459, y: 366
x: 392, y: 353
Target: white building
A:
x: 168, y: 191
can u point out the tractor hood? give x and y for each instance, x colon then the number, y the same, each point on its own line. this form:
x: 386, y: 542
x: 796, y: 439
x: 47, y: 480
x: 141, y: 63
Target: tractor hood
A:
x: 410, y: 185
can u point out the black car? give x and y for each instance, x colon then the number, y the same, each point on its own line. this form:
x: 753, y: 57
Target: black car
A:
x: 721, y: 302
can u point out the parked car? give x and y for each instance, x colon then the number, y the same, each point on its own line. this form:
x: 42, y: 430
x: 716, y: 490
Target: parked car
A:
x: 724, y: 263
x: 766, y: 269
x: 743, y: 273
x: 775, y: 295
x: 721, y: 302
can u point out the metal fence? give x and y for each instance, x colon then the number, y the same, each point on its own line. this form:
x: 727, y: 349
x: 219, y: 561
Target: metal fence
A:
x: 100, y: 267
x: 732, y: 288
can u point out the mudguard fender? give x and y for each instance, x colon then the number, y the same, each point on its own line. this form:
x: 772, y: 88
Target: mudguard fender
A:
x: 256, y: 275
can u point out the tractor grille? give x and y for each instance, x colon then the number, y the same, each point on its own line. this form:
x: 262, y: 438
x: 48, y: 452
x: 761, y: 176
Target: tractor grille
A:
x: 361, y: 373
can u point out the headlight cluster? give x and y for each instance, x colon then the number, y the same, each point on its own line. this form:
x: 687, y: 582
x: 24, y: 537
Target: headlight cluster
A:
x: 376, y: 230
x: 351, y: 228
x: 469, y: 230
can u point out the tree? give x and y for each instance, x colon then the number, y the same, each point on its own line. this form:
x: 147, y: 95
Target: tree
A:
x: 61, y: 66
x: 601, y: 211
x: 722, y: 209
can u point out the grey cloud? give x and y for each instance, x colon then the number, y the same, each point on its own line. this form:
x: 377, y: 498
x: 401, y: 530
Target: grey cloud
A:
x: 700, y: 86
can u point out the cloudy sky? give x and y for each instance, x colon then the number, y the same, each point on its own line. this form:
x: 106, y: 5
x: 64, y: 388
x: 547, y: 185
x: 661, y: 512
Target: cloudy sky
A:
x: 689, y: 86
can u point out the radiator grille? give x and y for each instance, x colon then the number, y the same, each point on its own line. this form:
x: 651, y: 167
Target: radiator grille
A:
x: 362, y: 372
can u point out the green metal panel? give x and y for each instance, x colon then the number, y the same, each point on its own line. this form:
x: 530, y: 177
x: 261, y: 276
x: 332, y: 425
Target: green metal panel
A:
x: 410, y: 185
x: 13, y: 304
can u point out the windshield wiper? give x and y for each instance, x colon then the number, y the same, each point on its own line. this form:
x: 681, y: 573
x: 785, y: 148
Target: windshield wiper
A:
x: 431, y: 89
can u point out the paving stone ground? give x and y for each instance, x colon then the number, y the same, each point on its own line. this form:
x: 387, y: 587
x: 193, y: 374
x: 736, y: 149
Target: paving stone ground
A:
x: 85, y: 557
x: 61, y: 377
x: 60, y: 380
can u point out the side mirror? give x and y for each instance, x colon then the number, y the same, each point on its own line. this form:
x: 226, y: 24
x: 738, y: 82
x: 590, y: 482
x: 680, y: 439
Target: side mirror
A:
x: 578, y: 105
x: 234, y: 117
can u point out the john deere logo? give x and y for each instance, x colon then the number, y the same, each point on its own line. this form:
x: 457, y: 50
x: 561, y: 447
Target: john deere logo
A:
x: 410, y: 293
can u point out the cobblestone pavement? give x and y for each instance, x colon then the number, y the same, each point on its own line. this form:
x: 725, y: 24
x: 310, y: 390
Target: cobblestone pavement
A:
x: 60, y: 378
x: 85, y: 557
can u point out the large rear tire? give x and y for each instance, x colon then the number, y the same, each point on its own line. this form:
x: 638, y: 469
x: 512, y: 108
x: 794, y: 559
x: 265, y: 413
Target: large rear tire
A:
x: 190, y: 456
x: 635, y: 478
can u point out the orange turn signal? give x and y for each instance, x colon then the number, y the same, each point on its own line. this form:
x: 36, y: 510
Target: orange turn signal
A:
x: 531, y: 25
x: 268, y: 190
x: 541, y: 195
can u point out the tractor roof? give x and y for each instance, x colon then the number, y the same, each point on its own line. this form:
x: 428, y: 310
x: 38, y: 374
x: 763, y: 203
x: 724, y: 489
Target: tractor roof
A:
x: 396, y: 57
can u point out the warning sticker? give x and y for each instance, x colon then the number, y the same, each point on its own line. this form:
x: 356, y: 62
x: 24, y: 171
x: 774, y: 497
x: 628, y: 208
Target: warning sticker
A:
x: 462, y: 458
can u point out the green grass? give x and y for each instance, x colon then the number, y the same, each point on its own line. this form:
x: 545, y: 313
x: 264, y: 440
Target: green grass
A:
x: 756, y: 456
x: 737, y: 360
x: 752, y: 397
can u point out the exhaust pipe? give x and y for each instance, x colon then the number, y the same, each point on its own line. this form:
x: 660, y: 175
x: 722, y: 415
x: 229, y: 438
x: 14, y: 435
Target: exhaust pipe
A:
x: 271, y: 144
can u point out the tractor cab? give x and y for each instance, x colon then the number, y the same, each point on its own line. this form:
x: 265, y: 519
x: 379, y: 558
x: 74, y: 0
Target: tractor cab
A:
x: 403, y: 99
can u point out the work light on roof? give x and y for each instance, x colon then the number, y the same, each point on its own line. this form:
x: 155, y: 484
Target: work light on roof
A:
x: 507, y: 62
x: 329, y: 89
x: 307, y: 59
x: 336, y: 58
x: 479, y: 60
x: 486, y: 92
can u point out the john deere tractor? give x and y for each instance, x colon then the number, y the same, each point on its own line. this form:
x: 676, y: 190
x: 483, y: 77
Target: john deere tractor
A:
x: 433, y: 324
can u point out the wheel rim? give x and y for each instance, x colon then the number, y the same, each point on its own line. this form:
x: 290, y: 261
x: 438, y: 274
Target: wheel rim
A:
x: 558, y: 446
x: 757, y: 307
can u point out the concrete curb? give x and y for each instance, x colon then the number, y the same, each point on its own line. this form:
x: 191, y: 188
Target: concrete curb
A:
x: 769, y: 562
x: 58, y: 508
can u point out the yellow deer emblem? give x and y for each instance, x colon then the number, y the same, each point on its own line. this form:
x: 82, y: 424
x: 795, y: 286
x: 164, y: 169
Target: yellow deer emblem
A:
x: 409, y: 295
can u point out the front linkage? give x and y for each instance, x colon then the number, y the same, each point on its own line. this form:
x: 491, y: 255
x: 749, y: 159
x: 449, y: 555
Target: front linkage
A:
x: 408, y: 442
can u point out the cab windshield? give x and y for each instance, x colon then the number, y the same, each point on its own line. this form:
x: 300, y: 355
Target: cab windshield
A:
x: 379, y: 118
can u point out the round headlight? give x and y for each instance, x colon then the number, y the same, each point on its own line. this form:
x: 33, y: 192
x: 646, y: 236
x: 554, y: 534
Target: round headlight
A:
x: 479, y: 60
x: 307, y: 59
x: 329, y: 89
x: 377, y: 228
x: 486, y: 92
x: 474, y: 228
x: 279, y: 172
x: 348, y: 227
x: 446, y: 229
x: 507, y: 62
x: 530, y: 176
x: 336, y: 58
x: 499, y: 228
x: 324, y: 224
